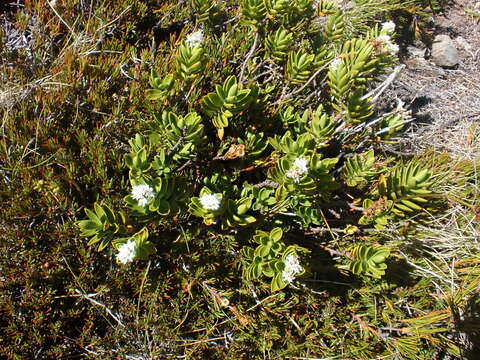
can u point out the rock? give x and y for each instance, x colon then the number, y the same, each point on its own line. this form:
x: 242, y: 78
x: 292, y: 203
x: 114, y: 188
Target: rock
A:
x: 416, y: 52
x: 464, y: 44
x: 444, y: 53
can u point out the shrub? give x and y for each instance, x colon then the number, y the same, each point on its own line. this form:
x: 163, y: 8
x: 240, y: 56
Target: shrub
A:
x: 244, y: 205
x: 284, y: 131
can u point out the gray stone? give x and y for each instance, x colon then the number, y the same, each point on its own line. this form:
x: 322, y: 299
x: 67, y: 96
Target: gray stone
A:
x: 463, y: 44
x: 444, y: 53
x: 416, y: 52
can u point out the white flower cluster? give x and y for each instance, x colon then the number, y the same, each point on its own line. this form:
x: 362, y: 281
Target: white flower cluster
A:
x: 299, y: 168
x: 210, y: 202
x: 335, y: 63
x: 127, y: 252
x: 292, y: 268
x: 195, y: 38
x: 388, y: 27
x: 389, y: 45
x: 143, y: 193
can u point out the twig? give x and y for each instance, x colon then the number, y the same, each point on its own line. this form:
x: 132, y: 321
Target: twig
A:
x: 309, y: 81
x: 384, y: 85
x: 141, y: 289
x: 110, y: 312
x: 188, y: 163
x: 328, y: 226
x: 96, y: 52
x: 127, y: 75
x: 384, y: 130
x: 398, y: 152
x: 296, y: 325
x: 100, y: 113
x: 249, y: 55
x: 236, y: 17
x: 178, y: 143
x: 196, y: 342
x: 423, y: 269
x: 260, y: 64
x: 369, y: 124
x: 116, y: 19
x: 301, y: 88
x: 61, y: 19
x: 328, y: 282
x: 261, y: 302
x: 87, y: 350
x: 324, y: 230
x: 353, y: 207
x: 266, y: 183
x: 269, y: 71
x: 321, y: 230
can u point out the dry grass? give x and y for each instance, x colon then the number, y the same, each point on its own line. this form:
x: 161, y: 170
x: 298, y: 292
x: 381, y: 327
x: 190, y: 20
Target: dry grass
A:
x: 446, y: 102
x: 451, y: 109
x: 446, y: 105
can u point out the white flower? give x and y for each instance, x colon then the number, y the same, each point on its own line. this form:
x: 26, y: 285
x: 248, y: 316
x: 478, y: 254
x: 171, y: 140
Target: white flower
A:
x: 195, y: 38
x: 335, y: 63
x: 384, y: 38
x: 388, y: 27
x: 287, y: 276
x: 389, y: 45
x: 393, y: 48
x: 210, y: 202
x: 292, y: 268
x: 301, y: 164
x: 127, y: 252
x: 299, y: 168
x: 143, y: 193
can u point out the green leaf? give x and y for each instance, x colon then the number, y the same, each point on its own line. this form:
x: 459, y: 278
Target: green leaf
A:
x: 277, y: 283
x: 89, y: 227
x: 276, y: 234
x: 369, y: 260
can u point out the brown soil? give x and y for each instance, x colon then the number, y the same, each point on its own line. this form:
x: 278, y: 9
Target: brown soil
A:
x: 446, y: 102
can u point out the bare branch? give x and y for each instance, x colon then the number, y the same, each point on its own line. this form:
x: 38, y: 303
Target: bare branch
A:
x: 266, y: 183
x: 249, y: 55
